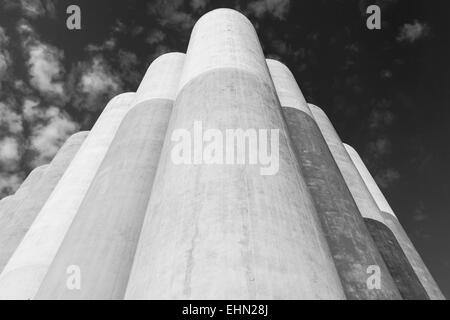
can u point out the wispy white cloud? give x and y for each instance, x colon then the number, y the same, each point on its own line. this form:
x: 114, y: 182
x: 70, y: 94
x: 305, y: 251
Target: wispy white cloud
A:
x: 107, y: 45
x: 419, y: 214
x: 47, y: 136
x: 412, y: 32
x: 171, y: 13
x: 91, y: 83
x: 9, y: 182
x: 197, y: 5
x: 45, y: 68
x: 276, y: 8
x: 38, y: 8
x: 44, y: 61
x: 98, y: 78
x: 5, y: 58
x: 155, y: 36
x: 10, y: 120
x: 387, y: 177
x: 10, y: 154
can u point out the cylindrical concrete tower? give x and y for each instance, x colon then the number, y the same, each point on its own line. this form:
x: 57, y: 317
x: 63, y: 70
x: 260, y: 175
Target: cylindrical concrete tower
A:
x: 350, y: 243
x: 9, y: 208
x: 27, y: 267
x: 13, y: 231
x: 103, y: 237
x: 355, y: 184
x: 13, y: 202
x: 391, y: 222
x: 4, y: 202
x: 218, y: 227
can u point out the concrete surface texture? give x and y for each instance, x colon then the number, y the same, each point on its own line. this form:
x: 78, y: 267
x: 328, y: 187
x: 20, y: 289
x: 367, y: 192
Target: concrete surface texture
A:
x: 216, y: 231
x: 11, y: 203
x: 372, y: 186
x: 4, y: 201
x: 214, y: 180
x: 9, y: 209
x: 391, y: 222
x: 403, y: 274
x: 366, y: 204
x: 103, y: 244
x: 352, y: 247
x: 27, y: 267
x: 13, y: 230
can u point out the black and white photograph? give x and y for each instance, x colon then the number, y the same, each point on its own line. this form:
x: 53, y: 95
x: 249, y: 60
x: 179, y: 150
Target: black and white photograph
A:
x: 211, y: 150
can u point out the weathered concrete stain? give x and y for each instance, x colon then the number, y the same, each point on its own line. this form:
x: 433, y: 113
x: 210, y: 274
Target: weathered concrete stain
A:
x: 225, y: 231
x: 403, y: 274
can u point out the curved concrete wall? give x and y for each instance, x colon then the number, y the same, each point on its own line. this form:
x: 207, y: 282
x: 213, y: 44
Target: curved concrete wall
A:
x: 350, y: 243
x: 103, y: 236
x: 12, y: 203
x: 286, y: 86
x: 391, y: 221
x: 361, y: 195
x: 4, y: 201
x: 9, y: 208
x: 367, y: 206
x: 403, y: 274
x: 13, y: 231
x: 27, y: 267
x: 216, y: 231
x: 374, y: 190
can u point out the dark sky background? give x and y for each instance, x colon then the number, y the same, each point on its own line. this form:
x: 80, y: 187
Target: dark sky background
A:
x: 386, y: 91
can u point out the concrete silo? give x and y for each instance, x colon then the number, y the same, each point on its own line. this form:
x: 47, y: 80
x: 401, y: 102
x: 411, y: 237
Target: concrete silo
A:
x: 13, y: 231
x: 102, y: 239
x: 219, y: 228
x: 23, y: 274
x: 428, y: 288
x: 348, y: 238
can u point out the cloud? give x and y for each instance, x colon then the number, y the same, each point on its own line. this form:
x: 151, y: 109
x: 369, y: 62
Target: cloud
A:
x: 98, y: 78
x: 10, y: 121
x: 44, y: 62
x: 387, y: 177
x: 276, y: 8
x: 3, y: 37
x: 92, y: 83
x: 171, y: 13
x: 10, y: 154
x: 413, y: 32
x: 107, y: 45
x: 9, y: 182
x: 53, y: 127
x: 155, y: 36
x: 5, y: 59
x: 31, y: 111
x: 419, y: 214
x: 380, y: 119
x: 45, y: 68
x: 380, y: 147
x: 198, y: 5
x: 38, y: 8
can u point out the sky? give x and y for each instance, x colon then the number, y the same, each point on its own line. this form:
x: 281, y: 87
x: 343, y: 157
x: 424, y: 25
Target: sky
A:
x: 386, y: 91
